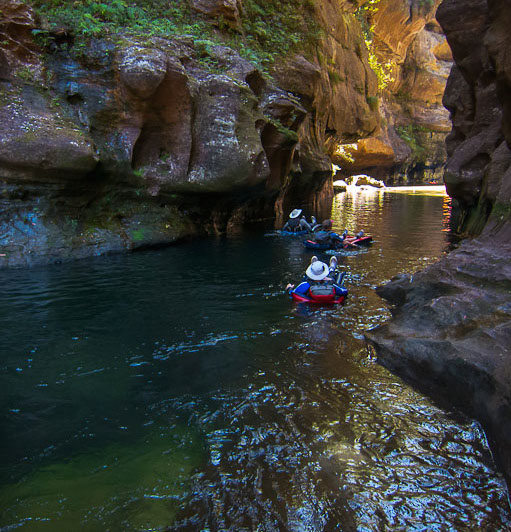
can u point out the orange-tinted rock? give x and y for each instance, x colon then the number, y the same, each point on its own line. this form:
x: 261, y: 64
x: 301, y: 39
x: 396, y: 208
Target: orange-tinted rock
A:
x: 415, y: 124
x: 367, y: 153
x: 396, y: 25
x: 17, y: 47
x: 341, y: 86
x: 442, y: 51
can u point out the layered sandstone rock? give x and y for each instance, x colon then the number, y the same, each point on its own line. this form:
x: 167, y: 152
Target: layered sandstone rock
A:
x: 416, y: 61
x: 451, y: 330
x: 338, y: 86
x: 162, y: 136
x: 220, y: 11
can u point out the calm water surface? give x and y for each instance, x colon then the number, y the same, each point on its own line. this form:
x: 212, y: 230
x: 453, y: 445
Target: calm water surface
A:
x: 181, y: 389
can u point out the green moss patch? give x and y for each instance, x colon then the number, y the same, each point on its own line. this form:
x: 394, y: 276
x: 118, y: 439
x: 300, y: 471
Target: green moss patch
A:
x: 413, y: 135
x: 501, y: 211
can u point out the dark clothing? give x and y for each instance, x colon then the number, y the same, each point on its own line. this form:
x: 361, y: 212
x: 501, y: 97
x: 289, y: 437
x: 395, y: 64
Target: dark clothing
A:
x: 304, y: 288
x: 322, y: 237
x: 327, y: 237
x: 293, y: 224
x: 296, y: 224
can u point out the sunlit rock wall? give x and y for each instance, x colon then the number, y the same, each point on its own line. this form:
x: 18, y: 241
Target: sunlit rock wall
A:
x: 338, y: 86
x: 415, y: 62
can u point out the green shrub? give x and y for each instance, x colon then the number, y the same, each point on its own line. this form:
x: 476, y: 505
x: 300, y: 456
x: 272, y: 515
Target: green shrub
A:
x: 274, y: 28
x: 413, y: 135
x: 271, y: 28
x: 91, y: 18
x: 25, y: 74
x: 383, y: 71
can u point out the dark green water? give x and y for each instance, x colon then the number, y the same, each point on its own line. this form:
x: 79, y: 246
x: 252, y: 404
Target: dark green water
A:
x: 183, y: 388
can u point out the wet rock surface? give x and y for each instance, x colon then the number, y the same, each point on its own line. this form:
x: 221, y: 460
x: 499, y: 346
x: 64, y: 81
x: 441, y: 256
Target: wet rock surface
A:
x: 451, y: 334
x: 451, y: 326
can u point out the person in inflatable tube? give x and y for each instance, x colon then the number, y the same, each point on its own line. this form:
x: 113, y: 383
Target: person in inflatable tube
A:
x: 323, y: 234
x: 319, y: 280
x: 295, y: 223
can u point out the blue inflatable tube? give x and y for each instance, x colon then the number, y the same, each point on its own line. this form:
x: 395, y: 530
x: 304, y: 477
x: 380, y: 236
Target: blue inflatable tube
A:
x: 294, y: 233
x: 310, y: 244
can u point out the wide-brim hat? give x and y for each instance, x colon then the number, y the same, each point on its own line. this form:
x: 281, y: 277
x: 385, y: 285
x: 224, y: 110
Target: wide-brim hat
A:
x: 295, y: 213
x: 317, y: 271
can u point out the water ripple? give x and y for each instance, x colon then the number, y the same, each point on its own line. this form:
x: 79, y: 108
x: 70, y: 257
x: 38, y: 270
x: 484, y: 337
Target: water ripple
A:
x: 183, y: 388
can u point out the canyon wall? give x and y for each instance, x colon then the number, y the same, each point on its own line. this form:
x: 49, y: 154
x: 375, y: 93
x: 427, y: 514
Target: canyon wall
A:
x: 451, y: 326
x: 115, y: 141
x: 413, y: 63
x: 131, y: 142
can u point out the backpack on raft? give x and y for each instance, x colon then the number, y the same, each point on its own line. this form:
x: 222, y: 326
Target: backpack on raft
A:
x: 320, y: 290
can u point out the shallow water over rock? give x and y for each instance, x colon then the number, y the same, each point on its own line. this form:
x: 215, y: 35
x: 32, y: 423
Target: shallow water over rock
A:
x: 182, y: 388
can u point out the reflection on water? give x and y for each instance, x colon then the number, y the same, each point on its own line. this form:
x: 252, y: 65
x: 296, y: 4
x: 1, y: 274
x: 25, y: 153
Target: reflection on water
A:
x: 182, y: 387
x: 423, y: 190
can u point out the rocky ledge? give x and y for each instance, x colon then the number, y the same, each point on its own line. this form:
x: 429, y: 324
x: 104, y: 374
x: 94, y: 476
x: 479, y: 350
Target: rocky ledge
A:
x: 451, y: 335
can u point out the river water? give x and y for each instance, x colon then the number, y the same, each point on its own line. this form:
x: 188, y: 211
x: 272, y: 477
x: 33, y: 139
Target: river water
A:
x: 182, y: 389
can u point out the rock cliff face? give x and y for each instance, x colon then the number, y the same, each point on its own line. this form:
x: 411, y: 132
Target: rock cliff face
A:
x: 141, y: 141
x: 451, y: 330
x: 415, y: 61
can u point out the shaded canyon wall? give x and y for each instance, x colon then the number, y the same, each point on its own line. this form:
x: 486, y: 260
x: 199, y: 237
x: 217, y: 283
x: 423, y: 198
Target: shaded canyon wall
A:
x: 451, y: 326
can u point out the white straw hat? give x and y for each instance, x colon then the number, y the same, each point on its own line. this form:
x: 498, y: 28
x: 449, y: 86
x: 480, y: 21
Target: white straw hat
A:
x: 317, y: 271
x: 295, y: 213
